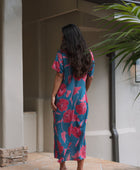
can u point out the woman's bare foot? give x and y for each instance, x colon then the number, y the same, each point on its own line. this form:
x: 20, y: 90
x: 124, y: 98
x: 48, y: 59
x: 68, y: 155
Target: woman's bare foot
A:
x: 63, y: 166
x: 80, y: 164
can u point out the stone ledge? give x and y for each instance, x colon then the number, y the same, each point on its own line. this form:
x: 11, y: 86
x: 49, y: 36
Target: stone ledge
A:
x: 13, y: 156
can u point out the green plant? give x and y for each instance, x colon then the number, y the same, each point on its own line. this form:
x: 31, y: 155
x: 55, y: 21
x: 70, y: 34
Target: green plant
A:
x: 126, y: 40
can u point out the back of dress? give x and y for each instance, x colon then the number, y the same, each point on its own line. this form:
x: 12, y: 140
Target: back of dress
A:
x: 72, y: 110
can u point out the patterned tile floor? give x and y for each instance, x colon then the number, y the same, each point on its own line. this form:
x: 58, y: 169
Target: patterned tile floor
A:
x: 45, y: 161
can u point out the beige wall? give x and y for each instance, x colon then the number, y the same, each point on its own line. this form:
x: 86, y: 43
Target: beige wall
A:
x: 128, y: 115
x: 31, y: 66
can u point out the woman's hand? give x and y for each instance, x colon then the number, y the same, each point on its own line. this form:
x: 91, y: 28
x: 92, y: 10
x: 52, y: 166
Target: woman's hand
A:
x: 53, y: 103
x: 57, y: 83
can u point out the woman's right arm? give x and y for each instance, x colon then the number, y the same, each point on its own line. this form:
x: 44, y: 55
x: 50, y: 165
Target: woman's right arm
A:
x: 57, y: 83
x: 90, y: 73
x: 88, y: 82
x: 58, y: 66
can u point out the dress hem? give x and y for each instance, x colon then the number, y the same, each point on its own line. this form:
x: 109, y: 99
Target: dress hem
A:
x: 71, y: 159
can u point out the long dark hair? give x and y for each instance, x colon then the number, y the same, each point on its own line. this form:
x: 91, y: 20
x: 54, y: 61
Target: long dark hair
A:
x: 75, y: 46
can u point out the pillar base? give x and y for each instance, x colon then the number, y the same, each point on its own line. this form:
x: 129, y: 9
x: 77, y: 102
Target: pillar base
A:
x: 13, y: 156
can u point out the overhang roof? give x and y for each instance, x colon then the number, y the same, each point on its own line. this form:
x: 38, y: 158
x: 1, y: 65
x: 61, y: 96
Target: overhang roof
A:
x: 113, y: 1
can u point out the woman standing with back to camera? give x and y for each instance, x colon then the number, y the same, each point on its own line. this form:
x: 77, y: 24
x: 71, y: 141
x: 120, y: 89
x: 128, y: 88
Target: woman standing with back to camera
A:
x: 74, y: 64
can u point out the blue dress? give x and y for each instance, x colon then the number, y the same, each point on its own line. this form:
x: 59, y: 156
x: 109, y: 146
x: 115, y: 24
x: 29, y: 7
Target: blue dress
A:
x: 70, y: 118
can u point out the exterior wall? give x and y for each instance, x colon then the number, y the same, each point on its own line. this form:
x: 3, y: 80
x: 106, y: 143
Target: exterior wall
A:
x: 11, y: 89
x: 128, y: 115
x: 31, y: 66
x: 30, y: 131
x: 98, y: 142
x: 32, y: 74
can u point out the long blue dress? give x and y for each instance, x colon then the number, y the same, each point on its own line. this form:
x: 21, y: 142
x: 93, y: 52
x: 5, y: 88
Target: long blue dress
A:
x: 70, y: 118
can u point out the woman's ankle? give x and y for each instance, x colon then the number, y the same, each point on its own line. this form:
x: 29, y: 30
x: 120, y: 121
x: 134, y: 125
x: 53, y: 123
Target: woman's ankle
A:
x: 62, y: 165
x: 79, y: 168
x: 80, y: 164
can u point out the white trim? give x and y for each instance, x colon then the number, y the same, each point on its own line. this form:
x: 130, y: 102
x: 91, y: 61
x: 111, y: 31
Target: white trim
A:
x: 108, y: 133
x: 98, y: 133
x: 126, y: 130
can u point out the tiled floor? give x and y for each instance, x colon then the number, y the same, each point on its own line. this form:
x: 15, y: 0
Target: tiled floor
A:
x: 46, y: 161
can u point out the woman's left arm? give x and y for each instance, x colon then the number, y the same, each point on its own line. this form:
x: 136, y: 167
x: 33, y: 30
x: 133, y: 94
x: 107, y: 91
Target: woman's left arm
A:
x: 57, y: 83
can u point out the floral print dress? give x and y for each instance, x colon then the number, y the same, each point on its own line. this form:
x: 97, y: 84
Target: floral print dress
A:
x: 70, y: 118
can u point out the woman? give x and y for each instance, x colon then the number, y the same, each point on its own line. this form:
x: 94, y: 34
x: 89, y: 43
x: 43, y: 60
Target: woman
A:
x: 74, y: 64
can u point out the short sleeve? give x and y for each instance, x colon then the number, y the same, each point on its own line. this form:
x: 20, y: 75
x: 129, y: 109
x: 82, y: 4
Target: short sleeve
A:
x: 91, y: 70
x: 58, y: 62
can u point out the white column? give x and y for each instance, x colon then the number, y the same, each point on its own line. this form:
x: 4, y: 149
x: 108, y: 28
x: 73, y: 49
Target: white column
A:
x: 12, y: 74
x: 1, y: 76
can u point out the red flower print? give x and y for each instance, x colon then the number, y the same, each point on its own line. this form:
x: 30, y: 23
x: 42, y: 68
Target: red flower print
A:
x: 69, y: 144
x: 56, y: 154
x: 76, y: 155
x: 61, y: 90
x: 77, y: 143
x: 56, y: 66
x: 60, y: 58
x: 59, y: 121
x: 85, y: 77
x: 65, y: 57
x: 55, y: 130
x: 75, y: 118
x: 60, y: 147
x: 60, y: 160
x: 65, y: 150
x: 70, y: 130
x: 76, y: 132
x: 84, y: 98
x: 58, y: 113
x: 81, y: 123
x: 68, y: 93
x: 67, y: 116
x: 71, y: 100
x: 67, y: 65
x: 63, y: 135
x: 81, y: 108
x: 68, y: 158
x: 76, y: 89
x: 83, y: 151
x: 62, y: 104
